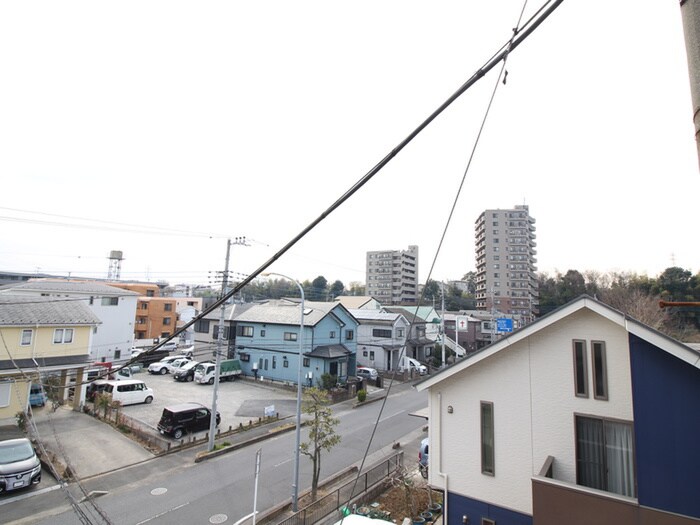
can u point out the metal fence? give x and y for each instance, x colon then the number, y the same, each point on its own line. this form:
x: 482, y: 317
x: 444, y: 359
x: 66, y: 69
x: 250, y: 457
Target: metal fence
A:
x: 346, y: 494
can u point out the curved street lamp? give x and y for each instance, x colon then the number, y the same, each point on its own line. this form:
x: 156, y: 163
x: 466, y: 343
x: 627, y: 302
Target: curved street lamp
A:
x: 297, y: 445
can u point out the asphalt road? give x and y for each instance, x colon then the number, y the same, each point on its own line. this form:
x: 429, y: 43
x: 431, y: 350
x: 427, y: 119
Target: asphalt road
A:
x: 173, y: 489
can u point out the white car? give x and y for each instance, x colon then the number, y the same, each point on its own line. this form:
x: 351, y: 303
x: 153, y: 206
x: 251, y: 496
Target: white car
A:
x: 367, y: 373
x: 176, y: 364
x: 162, y: 366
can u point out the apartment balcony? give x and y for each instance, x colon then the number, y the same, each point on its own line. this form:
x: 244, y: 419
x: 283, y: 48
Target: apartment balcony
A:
x: 555, y: 501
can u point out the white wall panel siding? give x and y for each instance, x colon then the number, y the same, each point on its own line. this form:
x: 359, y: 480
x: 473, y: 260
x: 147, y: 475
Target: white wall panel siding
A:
x: 531, y: 386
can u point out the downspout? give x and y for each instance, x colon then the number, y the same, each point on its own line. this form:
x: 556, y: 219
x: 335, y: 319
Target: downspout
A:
x: 440, y: 472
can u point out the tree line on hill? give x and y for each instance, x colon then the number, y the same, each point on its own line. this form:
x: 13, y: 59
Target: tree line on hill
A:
x: 638, y: 296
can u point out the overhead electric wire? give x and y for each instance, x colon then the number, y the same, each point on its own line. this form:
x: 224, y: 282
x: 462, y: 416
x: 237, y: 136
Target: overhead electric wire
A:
x: 500, y: 77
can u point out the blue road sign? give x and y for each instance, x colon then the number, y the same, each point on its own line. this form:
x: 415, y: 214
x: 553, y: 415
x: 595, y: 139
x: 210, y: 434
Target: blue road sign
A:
x: 504, y: 325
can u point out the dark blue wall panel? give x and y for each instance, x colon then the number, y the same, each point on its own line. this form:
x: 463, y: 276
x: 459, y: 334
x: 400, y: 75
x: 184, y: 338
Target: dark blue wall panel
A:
x: 666, y: 397
x: 459, y: 506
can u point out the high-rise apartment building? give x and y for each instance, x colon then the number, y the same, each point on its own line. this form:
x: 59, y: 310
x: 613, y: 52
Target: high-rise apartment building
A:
x: 392, y: 276
x: 505, y: 263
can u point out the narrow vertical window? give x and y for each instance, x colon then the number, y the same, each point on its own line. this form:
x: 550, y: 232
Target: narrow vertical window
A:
x: 580, y: 369
x: 26, y: 337
x: 487, y: 439
x: 600, y: 371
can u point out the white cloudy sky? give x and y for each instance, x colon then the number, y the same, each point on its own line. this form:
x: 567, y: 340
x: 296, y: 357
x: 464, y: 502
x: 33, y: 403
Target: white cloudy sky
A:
x: 251, y: 118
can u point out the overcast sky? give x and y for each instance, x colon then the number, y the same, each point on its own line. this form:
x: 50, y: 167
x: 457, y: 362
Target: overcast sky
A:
x: 204, y: 120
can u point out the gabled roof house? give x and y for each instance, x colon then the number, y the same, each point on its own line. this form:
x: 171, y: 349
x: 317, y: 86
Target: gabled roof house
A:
x: 585, y: 416
x: 267, y: 340
x: 381, y: 337
x: 41, y: 336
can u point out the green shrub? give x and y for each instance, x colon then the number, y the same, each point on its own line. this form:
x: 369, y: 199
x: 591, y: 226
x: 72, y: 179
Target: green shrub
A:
x: 361, y: 395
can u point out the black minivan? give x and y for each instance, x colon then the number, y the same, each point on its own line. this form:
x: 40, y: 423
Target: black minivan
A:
x: 177, y: 420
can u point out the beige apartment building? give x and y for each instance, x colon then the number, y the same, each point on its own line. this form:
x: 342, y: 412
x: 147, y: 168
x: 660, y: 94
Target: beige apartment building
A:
x: 392, y: 276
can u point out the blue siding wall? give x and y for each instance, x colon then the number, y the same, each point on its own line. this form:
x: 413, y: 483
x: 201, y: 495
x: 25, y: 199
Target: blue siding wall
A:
x: 459, y: 506
x: 666, y: 397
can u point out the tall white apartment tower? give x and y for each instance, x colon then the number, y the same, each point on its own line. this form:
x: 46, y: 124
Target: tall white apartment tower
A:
x: 392, y: 276
x: 505, y: 263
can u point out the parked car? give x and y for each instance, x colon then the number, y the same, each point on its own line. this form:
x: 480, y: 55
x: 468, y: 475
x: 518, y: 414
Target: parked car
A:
x: 146, y: 357
x: 187, y: 351
x: 127, y: 391
x: 423, y: 456
x: 412, y: 365
x: 185, y: 372
x: 19, y: 465
x: 367, y: 373
x: 163, y: 366
x: 37, y: 396
x: 177, y: 420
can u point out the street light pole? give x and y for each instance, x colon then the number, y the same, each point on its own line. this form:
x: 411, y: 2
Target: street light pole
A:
x: 297, y: 441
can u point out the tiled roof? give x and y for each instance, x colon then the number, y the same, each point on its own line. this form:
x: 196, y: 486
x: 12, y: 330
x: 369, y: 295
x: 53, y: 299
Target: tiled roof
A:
x: 21, y: 310
x: 284, y: 311
x: 51, y: 286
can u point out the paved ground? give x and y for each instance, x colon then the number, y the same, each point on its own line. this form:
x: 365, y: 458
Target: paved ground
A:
x: 95, y: 447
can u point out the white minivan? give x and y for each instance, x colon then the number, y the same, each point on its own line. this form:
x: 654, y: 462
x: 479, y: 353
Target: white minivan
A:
x: 128, y: 391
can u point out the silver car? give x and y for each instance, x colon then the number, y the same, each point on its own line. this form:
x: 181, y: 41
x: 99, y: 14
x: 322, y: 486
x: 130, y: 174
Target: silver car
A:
x: 19, y: 465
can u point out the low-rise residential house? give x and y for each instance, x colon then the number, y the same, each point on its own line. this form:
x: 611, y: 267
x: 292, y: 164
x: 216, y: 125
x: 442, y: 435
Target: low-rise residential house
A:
x: 359, y: 302
x: 267, y: 340
x: 584, y: 416
x: 381, y: 336
x: 115, y: 308
x: 187, y: 308
x: 425, y: 330
x: 206, y: 332
x: 42, y: 337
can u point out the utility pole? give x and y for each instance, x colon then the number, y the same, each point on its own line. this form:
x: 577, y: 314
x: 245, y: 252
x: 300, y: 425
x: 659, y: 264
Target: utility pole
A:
x: 442, y: 324
x: 220, y: 341
x: 690, y: 13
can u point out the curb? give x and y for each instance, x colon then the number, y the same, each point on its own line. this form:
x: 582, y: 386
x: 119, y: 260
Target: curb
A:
x: 202, y: 456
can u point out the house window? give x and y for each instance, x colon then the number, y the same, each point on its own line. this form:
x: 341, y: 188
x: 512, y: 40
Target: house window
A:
x: 364, y: 353
x: 274, y: 361
x: 371, y: 355
x: 166, y: 321
x: 332, y: 334
x: 600, y: 370
x: 63, y: 335
x: 168, y: 307
x: 144, y: 306
x: 202, y: 326
x: 5, y: 391
x: 379, y: 332
x: 307, y: 362
x: 605, y: 455
x: 580, y: 369
x: 92, y: 300
x: 26, y: 337
x: 349, y: 335
x: 244, y: 356
x: 245, y: 331
x: 285, y: 362
x: 488, y: 464
x: 399, y: 332
x: 165, y: 334
x: 290, y: 336
x: 262, y: 332
x: 110, y: 301
x: 150, y: 293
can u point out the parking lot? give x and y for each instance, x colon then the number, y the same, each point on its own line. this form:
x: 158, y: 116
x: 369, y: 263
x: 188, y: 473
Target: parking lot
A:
x: 238, y: 401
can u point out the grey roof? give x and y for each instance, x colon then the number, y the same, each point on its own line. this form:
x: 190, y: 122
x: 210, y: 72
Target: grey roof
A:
x: 374, y: 315
x: 85, y: 287
x: 284, y: 311
x: 22, y: 310
x: 329, y: 352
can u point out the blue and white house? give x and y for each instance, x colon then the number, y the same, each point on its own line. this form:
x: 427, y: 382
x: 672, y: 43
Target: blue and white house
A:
x: 267, y: 340
x: 584, y: 416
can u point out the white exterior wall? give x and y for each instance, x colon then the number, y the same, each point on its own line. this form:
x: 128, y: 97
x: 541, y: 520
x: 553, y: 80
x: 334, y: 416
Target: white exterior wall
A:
x: 366, y: 343
x: 531, y: 385
x: 116, y: 333
x: 554, y: 402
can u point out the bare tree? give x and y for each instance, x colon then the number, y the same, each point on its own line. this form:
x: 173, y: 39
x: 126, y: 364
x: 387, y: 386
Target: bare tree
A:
x: 638, y: 305
x: 322, y: 434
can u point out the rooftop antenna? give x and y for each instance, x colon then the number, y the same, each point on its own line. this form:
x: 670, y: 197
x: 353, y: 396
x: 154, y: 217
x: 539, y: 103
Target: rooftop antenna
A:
x: 115, y: 265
